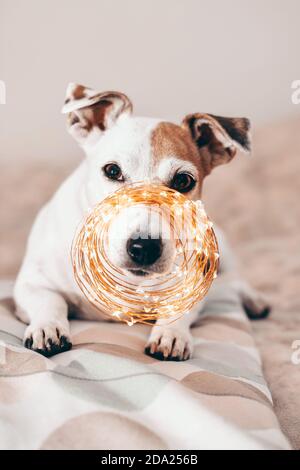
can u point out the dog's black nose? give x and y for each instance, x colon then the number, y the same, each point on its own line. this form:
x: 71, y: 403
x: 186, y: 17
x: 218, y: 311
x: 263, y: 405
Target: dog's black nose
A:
x: 144, y: 251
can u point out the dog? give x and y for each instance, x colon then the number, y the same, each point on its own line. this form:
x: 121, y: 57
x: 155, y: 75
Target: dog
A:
x: 121, y: 149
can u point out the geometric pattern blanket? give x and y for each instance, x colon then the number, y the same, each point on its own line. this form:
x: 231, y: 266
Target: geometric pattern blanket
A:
x: 106, y: 393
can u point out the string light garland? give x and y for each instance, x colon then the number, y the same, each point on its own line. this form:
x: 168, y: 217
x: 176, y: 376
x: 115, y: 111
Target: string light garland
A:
x: 162, y: 296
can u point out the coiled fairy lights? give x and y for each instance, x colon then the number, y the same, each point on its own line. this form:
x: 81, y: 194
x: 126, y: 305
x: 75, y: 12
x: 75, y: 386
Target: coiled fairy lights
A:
x: 163, y: 296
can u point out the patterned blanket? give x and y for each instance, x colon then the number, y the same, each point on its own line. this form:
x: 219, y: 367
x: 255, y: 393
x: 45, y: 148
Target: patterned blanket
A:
x: 107, y: 394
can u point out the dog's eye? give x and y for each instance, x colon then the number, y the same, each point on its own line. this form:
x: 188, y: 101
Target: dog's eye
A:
x: 183, y: 182
x: 113, y: 172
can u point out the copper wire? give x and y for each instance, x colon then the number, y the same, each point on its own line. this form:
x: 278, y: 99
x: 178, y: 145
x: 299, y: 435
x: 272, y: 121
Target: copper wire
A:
x: 164, y: 296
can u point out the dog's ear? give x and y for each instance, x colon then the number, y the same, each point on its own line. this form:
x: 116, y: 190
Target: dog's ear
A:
x: 218, y: 138
x: 89, y: 110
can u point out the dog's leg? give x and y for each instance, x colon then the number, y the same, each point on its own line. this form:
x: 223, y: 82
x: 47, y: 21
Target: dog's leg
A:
x: 172, y: 341
x: 46, y: 311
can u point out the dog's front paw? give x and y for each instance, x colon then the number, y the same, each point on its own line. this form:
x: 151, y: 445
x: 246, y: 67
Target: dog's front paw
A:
x: 48, y: 339
x: 169, y: 343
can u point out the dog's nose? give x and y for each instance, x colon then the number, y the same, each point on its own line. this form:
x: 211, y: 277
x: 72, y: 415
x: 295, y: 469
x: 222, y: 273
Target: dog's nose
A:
x: 144, y: 251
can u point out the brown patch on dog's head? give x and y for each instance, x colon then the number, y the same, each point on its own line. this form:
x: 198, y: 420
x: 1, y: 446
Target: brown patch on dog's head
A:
x: 169, y: 139
x: 203, y: 139
x: 217, y: 138
x: 88, y: 109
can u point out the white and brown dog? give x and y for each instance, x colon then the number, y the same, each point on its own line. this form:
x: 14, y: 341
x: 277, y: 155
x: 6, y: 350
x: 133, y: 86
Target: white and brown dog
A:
x: 121, y: 148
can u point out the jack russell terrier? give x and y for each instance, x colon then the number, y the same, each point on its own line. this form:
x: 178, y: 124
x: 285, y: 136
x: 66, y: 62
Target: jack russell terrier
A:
x: 120, y: 149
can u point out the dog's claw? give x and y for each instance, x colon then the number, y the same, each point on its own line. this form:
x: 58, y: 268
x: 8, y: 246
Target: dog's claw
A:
x: 28, y: 342
x: 65, y: 344
x: 156, y: 355
x: 153, y: 348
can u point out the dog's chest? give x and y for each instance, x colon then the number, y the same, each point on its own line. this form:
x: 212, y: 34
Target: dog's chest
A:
x: 81, y: 308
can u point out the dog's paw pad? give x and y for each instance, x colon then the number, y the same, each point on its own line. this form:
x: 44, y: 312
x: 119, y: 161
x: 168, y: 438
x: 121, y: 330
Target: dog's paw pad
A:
x: 48, y: 339
x: 169, y: 344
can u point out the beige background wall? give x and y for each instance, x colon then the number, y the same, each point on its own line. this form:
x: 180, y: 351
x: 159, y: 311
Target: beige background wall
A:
x: 172, y: 57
